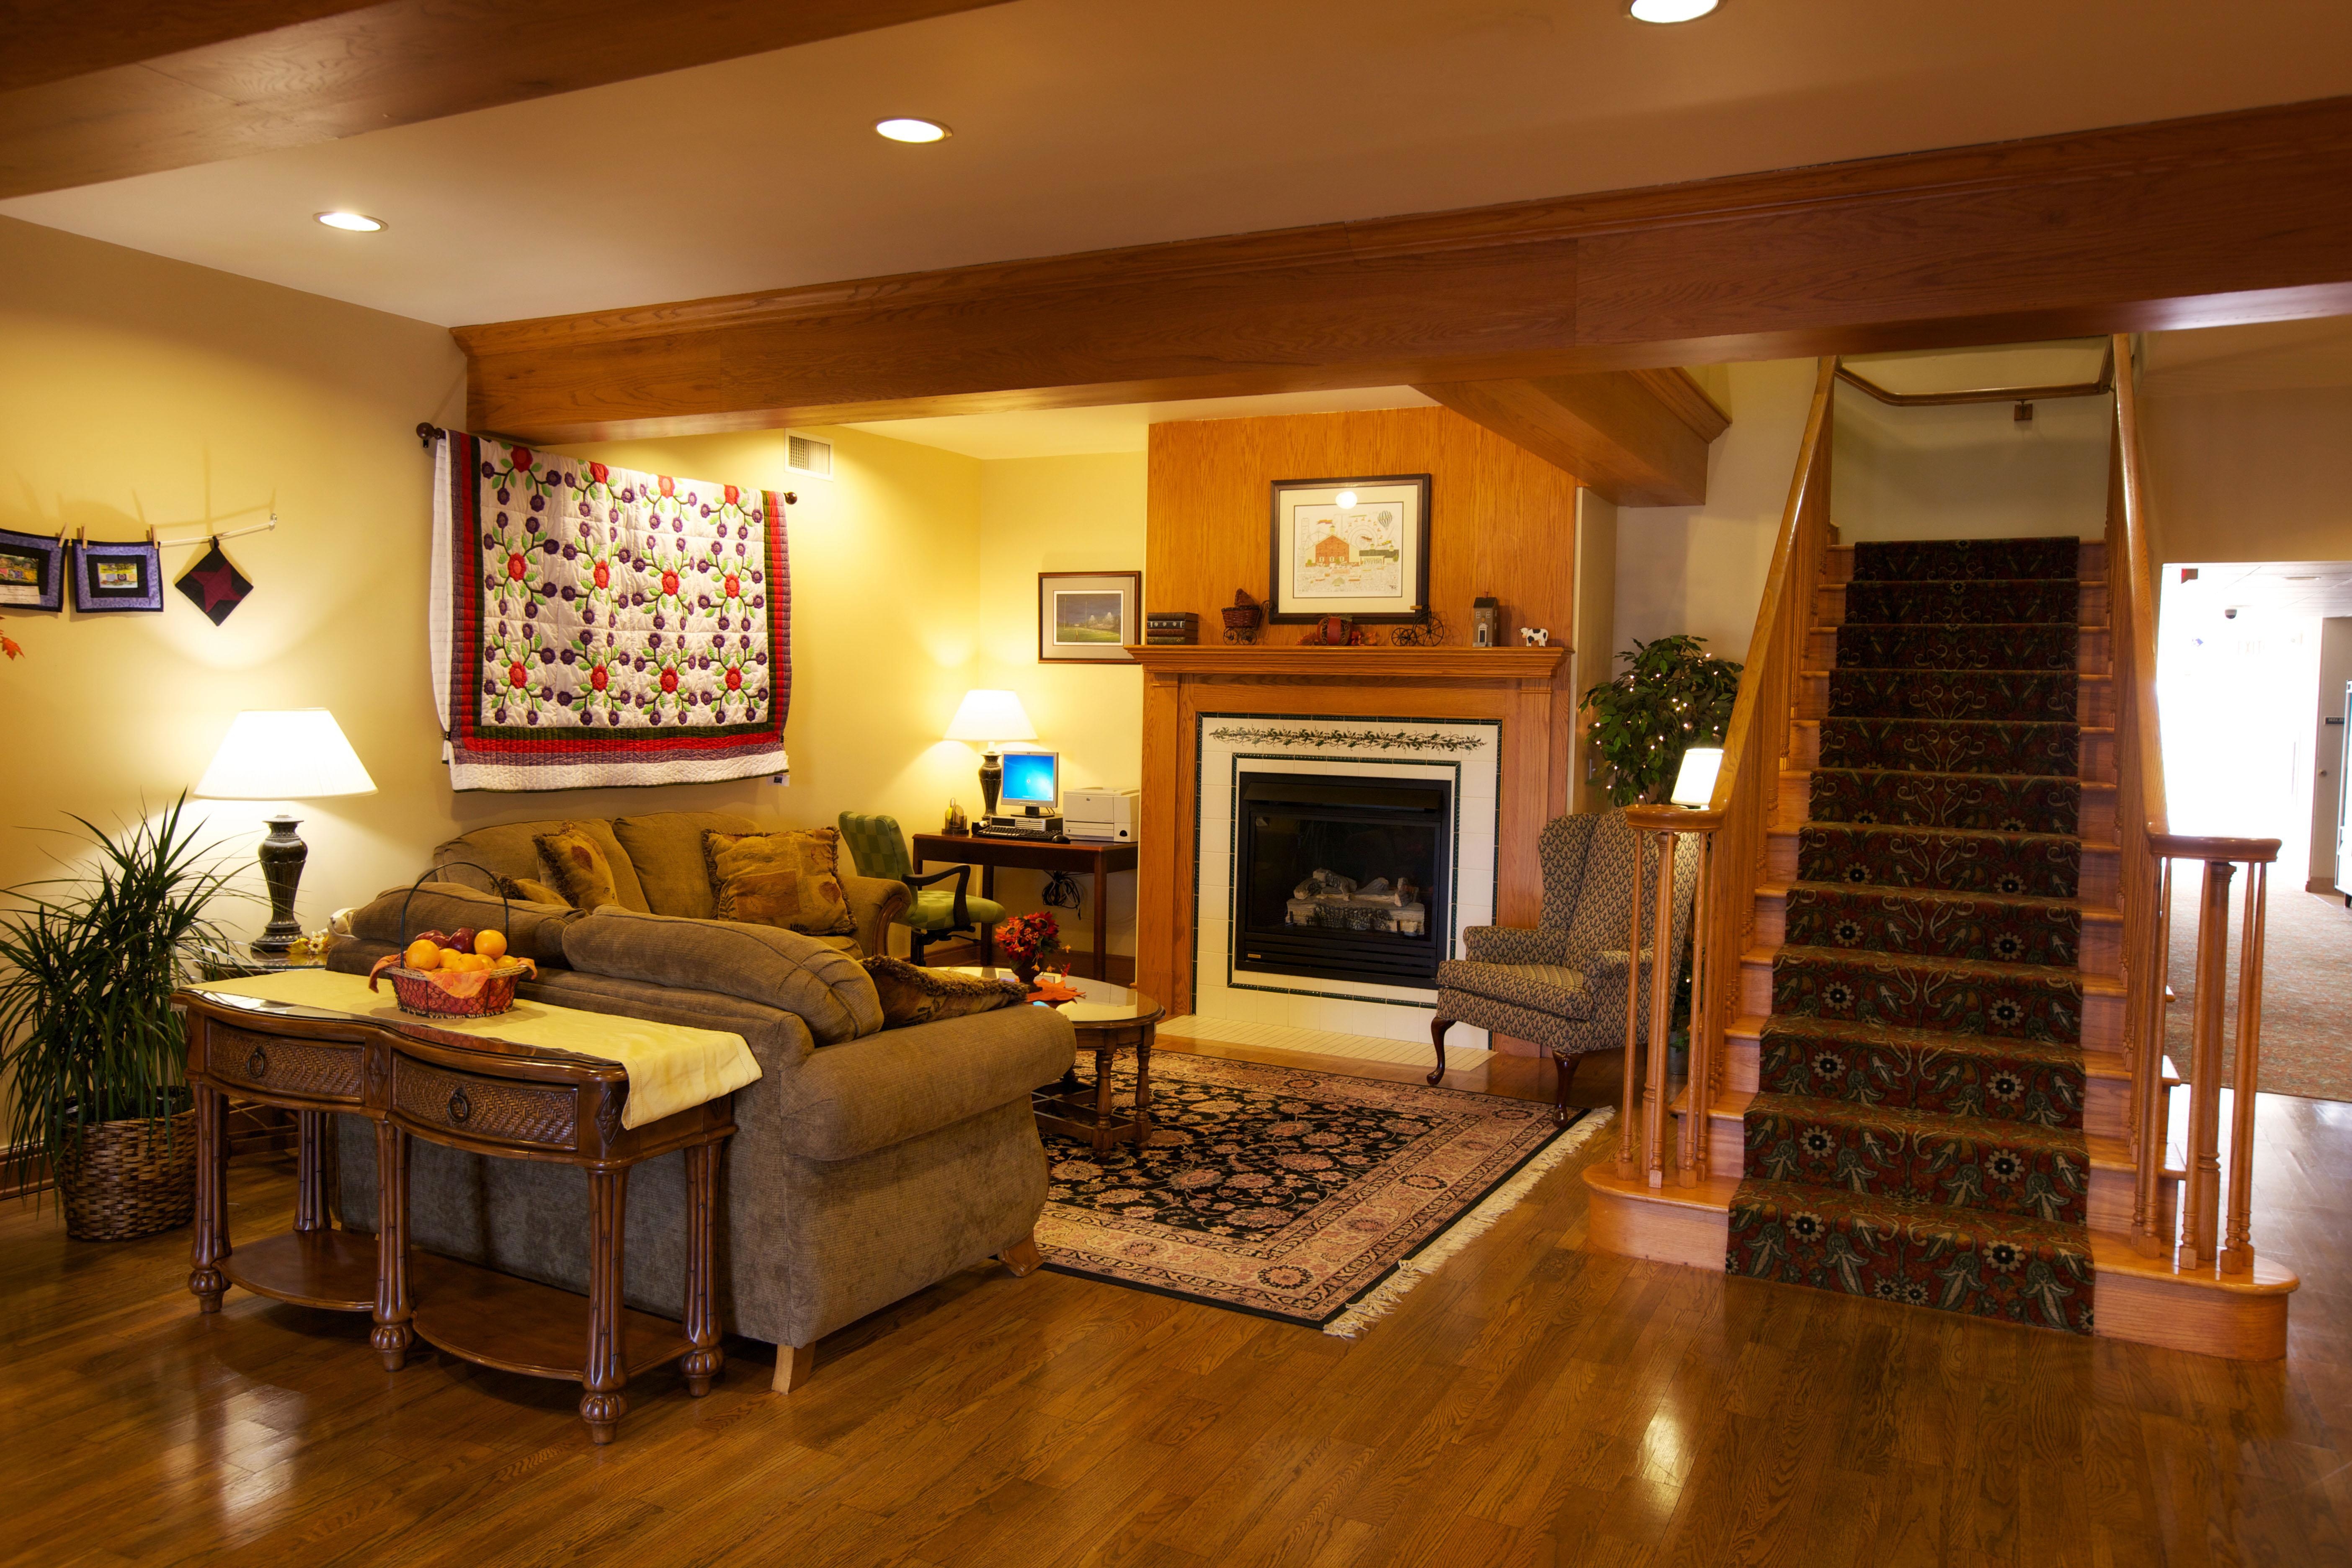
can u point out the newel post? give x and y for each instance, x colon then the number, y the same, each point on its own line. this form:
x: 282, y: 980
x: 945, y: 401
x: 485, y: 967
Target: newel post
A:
x: 1648, y: 1093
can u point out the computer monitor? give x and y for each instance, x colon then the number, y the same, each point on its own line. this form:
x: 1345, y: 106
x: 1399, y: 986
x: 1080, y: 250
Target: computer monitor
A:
x: 1032, y: 778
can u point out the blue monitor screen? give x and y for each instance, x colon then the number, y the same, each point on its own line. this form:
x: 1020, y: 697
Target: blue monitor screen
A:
x: 1029, y: 777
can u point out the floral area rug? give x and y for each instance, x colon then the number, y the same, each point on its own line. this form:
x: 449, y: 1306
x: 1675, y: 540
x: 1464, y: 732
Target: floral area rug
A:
x: 1309, y: 1196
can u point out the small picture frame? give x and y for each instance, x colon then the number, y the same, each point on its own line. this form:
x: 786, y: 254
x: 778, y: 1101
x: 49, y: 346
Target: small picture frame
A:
x: 1089, y: 617
x: 110, y: 579
x: 32, y: 572
x: 1357, y: 548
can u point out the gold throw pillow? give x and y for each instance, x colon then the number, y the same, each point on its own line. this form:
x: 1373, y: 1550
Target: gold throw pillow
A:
x: 788, y: 880
x: 582, y: 875
x: 912, y: 995
x: 523, y: 891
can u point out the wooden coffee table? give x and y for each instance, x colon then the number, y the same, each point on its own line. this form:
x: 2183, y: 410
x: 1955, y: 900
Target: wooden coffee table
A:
x: 1110, y: 1018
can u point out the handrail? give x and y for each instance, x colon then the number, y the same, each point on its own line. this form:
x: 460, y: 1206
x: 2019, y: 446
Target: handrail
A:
x: 2205, y: 1239
x: 1734, y: 830
x: 2106, y: 384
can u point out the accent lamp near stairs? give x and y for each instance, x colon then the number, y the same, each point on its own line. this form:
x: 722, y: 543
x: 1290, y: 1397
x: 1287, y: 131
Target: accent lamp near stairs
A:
x: 1926, y: 1057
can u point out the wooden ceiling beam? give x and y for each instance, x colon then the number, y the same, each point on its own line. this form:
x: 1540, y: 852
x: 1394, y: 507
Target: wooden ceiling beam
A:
x: 2224, y: 218
x: 1637, y: 436
x: 114, y: 87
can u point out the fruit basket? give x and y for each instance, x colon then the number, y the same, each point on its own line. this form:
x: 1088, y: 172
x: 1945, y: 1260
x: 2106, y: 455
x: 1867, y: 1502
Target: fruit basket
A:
x: 483, y: 986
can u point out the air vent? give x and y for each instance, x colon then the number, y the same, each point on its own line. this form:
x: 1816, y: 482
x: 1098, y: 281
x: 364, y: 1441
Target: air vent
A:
x: 803, y: 455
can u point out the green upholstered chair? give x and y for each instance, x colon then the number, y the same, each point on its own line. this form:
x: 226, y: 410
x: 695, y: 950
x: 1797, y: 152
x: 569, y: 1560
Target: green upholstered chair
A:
x: 880, y: 850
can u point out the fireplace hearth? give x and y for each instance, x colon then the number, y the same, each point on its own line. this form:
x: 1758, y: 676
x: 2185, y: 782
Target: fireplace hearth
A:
x: 1342, y: 879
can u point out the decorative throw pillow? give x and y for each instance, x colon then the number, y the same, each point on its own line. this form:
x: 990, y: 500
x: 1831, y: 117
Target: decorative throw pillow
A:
x: 788, y: 880
x: 523, y: 891
x: 582, y: 873
x: 912, y: 995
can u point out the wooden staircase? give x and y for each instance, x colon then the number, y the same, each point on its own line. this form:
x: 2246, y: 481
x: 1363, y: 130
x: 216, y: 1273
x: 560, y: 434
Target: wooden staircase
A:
x: 2157, y: 1280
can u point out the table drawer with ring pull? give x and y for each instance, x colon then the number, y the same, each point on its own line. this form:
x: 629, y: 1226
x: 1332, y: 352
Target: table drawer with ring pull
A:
x: 277, y: 1065
x: 500, y: 1110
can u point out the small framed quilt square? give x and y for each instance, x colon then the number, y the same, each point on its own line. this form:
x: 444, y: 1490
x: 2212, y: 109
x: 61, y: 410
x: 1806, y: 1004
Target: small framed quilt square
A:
x: 109, y: 579
x: 32, y: 572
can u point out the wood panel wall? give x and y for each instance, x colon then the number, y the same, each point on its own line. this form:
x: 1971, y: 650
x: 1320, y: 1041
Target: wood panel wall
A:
x: 1502, y: 521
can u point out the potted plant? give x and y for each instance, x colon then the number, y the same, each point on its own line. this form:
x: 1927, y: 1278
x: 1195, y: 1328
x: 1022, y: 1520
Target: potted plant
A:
x: 1028, y: 941
x: 1675, y: 697
x: 90, y: 1046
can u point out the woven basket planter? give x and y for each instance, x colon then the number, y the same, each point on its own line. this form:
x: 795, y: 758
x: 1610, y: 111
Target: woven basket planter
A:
x: 123, y: 1180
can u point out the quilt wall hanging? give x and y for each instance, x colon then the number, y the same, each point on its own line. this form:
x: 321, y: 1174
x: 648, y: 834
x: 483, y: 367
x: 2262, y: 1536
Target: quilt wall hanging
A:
x: 592, y: 626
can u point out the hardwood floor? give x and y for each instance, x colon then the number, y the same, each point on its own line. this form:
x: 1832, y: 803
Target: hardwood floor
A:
x: 1532, y: 1403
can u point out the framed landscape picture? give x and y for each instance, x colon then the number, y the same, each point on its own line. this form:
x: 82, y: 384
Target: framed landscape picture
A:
x: 1087, y: 617
x: 32, y: 572
x: 1357, y: 548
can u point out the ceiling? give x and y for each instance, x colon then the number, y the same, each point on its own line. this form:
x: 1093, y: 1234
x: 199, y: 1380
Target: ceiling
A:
x: 1085, y: 123
x: 2258, y: 588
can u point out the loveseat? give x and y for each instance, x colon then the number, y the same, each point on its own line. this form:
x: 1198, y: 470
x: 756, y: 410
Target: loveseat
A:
x: 867, y: 1162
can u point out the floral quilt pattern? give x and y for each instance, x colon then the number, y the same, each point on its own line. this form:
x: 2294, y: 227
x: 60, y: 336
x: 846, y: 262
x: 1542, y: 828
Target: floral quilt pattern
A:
x: 606, y: 627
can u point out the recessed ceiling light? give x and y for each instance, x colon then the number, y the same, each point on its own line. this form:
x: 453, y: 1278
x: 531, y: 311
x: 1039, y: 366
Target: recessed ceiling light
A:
x: 1665, y: 11
x: 357, y: 223
x: 906, y: 128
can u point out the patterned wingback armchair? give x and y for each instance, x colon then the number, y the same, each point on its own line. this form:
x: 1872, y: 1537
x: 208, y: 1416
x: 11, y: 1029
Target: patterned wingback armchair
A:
x: 1562, y: 984
x: 880, y: 850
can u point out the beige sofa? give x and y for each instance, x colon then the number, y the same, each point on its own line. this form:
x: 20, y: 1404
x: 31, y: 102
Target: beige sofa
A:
x: 867, y: 1162
x: 658, y: 867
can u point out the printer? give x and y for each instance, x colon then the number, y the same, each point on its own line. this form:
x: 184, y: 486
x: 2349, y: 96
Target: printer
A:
x: 1099, y: 814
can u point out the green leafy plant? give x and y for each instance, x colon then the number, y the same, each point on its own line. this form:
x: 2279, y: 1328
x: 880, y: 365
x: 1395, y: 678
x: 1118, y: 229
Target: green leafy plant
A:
x: 1675, y: 697
x: 87, y: 1030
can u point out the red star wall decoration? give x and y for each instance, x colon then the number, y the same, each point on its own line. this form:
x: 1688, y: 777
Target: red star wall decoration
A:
x: 215, y: 586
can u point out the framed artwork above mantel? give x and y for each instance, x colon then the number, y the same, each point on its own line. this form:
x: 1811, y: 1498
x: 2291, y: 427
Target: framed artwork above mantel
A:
x: 1352, y: 547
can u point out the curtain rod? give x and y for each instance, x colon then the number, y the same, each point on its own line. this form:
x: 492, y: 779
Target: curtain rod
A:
x: 428, y: 433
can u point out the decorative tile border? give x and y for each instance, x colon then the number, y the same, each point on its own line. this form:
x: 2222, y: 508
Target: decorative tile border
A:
x: 1374, y: 740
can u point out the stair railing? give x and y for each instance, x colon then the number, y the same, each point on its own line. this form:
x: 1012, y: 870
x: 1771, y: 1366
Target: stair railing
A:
x: 1734, y: 829
x: 2149, y: 847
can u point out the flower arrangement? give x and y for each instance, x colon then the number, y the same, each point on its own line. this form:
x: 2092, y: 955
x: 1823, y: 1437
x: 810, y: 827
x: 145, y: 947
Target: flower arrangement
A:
x: 1029, y: 940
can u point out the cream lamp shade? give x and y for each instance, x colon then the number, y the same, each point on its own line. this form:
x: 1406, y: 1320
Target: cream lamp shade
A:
x: 1694, y: 784
x: 985, y: 716
x: 286, y: 754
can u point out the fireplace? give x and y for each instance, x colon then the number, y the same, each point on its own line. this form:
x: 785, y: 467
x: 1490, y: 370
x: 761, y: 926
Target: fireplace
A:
x: 1342, y: 879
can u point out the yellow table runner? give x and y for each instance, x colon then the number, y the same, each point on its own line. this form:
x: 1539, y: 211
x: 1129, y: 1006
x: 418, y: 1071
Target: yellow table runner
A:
x: 671, y: 1067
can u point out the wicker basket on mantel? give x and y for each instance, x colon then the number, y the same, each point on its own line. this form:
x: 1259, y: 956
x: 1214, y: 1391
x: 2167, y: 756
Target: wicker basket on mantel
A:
x: 118, y: 1181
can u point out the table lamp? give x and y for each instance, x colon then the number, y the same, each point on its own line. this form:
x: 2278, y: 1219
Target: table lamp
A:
x: 1695, y: 783
x: 293, y: 754
x: 987, y: 718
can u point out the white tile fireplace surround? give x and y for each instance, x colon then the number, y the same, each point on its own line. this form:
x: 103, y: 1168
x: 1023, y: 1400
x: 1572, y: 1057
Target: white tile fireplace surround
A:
x: 1464, y: 754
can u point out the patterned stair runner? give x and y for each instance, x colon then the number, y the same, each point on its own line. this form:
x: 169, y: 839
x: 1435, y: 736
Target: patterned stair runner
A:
x: 1917, y: 1132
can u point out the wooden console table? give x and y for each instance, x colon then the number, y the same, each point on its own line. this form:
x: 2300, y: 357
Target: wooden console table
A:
x: 1099, y: 856
x: 483, y: 1096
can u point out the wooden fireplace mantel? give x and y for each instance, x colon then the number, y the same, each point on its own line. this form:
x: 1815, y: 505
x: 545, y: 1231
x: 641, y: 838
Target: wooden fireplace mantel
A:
x: 1523, y: 690
x: 1261, y: 662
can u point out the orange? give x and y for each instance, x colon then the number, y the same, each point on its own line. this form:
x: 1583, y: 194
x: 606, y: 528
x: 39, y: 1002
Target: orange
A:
x: 422, y: 954
x: 490, y: 944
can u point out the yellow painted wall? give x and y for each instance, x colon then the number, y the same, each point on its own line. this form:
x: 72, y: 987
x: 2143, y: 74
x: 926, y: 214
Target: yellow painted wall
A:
x: 137, y: 390
x: 1062, y: 514
x: 2256, y: 475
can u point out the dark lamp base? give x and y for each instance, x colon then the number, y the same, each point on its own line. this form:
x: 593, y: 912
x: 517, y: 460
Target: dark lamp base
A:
x: 282, y: 857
